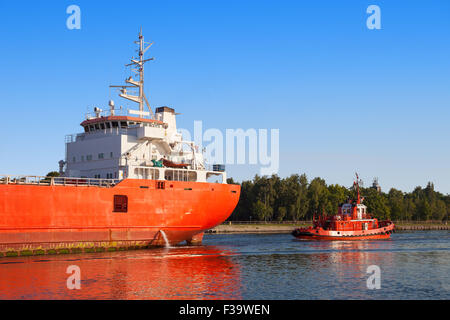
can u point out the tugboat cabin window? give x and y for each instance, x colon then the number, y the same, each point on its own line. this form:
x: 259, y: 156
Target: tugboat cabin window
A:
x: 120, y: 203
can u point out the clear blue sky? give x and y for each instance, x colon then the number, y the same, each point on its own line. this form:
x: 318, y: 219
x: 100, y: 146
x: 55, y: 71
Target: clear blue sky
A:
x: 344, y: 97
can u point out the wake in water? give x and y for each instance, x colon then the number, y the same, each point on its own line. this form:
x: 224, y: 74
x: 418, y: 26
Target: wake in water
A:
x: 165, y: 239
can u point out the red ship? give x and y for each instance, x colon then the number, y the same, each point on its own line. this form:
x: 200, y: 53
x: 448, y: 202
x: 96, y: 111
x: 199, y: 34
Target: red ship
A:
x: 113, y: 193
x: 352, y: 222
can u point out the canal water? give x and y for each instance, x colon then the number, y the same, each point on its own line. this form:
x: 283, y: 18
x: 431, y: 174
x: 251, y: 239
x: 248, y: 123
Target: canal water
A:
x: 412, y: 265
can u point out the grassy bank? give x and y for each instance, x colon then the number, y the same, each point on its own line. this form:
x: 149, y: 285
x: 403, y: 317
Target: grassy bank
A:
x: 287, y: 227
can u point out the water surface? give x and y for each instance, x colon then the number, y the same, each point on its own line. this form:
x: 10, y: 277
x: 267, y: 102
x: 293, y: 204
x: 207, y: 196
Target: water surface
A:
x: 414, y: 265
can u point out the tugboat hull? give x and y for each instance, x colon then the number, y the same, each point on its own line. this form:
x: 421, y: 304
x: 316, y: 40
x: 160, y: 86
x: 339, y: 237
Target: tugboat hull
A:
x: 344, y: 238
x: 321, y: 234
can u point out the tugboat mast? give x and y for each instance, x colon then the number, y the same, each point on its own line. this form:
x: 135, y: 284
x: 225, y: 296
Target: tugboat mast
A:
x: 357, y: 188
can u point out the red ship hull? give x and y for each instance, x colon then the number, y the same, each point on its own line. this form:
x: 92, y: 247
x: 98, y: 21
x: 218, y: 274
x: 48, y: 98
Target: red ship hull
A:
x: 43, y: 219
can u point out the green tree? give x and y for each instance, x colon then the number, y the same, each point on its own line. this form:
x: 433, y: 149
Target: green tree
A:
x: 261, y: 211
x: 272, y: 198
x: 410, y: 209
x: 318, y: 195
x: 377, y: 204
x: 281, y: 213
x: 53, y: 174
x: 299, y: 209
x: 396, y: 204
x: 439, y: 210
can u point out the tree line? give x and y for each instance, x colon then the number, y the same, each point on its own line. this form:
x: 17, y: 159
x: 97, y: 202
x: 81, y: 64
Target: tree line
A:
x: 294, y: 198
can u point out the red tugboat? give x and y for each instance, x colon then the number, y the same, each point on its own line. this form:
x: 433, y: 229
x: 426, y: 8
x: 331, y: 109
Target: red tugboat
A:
x: 351, y: 223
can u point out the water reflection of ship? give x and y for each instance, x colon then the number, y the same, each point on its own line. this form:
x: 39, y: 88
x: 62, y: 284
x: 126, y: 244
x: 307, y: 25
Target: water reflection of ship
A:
x: 347, y: 261
x: 179, y: 273
x: 347, y: 254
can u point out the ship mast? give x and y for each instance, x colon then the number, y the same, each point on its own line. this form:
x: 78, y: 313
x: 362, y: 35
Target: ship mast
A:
x: 357, y: 189
x: 138, y: 64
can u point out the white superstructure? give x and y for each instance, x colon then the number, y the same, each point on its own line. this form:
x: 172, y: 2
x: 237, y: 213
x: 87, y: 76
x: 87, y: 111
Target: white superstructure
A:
x: 135, y: 144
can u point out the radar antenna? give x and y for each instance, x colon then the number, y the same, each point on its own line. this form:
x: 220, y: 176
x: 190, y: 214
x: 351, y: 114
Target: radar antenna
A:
x: 138, y: 64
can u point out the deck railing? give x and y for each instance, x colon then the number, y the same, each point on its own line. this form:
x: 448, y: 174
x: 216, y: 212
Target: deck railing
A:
x: 57, y: 181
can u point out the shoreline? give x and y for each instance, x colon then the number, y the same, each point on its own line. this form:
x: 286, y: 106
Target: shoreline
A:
x: 228, y: 227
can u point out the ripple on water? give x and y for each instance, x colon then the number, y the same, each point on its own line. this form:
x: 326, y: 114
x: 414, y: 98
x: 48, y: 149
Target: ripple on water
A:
x: 414, y: 265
